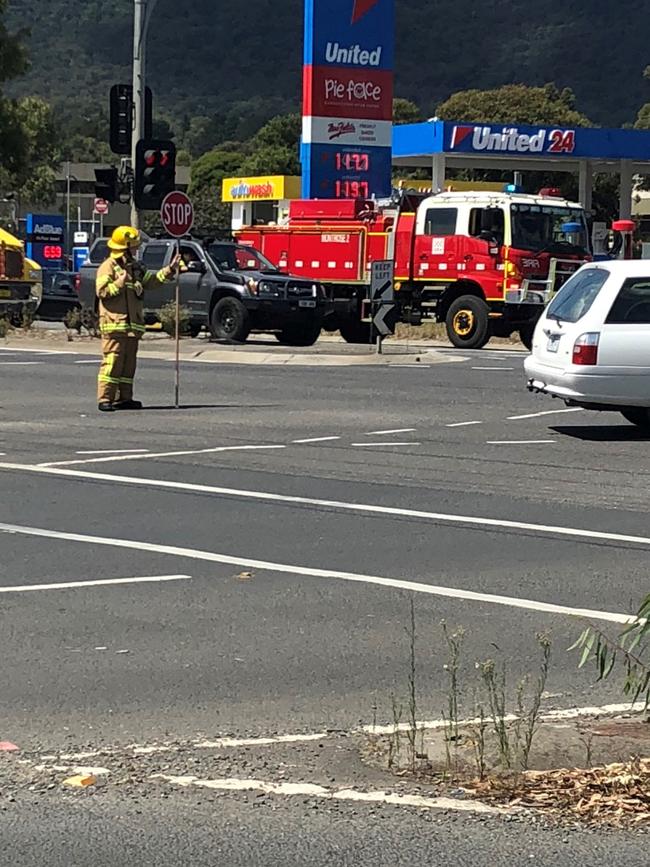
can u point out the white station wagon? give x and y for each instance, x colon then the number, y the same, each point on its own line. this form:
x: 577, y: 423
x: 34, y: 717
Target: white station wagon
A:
x: 591, y: 346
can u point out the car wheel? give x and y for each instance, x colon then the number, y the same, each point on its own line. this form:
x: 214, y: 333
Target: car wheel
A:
x: 638, y: 416
x: 526, y: 333
x: 355, y: 331
x: 230, y: 320
x: 468, y: 323
x: 300, y: 335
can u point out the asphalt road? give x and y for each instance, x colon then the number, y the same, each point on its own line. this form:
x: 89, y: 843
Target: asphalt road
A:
x: 284, y: 519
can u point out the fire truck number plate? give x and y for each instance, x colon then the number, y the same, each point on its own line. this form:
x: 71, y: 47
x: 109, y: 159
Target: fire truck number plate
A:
x: 5, y: 293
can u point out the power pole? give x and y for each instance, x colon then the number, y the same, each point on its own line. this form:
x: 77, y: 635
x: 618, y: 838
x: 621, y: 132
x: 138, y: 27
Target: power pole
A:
x: 139, y: 16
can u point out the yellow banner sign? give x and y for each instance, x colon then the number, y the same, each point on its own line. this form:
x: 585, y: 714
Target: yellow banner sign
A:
x: 272, y: 188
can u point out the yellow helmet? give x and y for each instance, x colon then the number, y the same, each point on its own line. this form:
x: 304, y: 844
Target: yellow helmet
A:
x: 123, y: 239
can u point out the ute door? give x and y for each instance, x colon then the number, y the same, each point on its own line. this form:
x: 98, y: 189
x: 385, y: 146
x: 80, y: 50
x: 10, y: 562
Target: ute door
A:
x: 435, y: 244
x: 194, y: 283
x: 566, y: 317
x: 624, y: 344
x: 155, y: 255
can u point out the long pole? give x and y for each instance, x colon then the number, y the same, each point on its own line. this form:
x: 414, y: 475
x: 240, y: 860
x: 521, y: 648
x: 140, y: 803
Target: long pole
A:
x: 177, y: 389
x: 139, y: 16
x: 67, y: 208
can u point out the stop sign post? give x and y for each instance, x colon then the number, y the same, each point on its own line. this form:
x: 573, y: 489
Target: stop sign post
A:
x: 177, y: 217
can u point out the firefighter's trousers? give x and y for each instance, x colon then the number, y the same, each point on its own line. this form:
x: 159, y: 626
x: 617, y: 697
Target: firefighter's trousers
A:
x: 119, y: 359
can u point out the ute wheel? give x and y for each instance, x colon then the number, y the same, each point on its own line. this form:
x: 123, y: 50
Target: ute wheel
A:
x: 638, y: 416
x: 230, y: 320
x: 304, y: 334
x: 355, y: 331
x: 526, y: 333
x: 467, y: 322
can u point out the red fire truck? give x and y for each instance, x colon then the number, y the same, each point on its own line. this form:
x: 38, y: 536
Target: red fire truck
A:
x: 484, y: 263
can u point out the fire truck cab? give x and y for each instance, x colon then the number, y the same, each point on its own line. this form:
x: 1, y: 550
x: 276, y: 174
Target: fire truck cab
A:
x: 484, y: 263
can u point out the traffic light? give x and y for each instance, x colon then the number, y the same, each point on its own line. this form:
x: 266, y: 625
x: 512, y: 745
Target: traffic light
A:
x: 106, y: 184
x: 121, y: 111
x: 155, y: 173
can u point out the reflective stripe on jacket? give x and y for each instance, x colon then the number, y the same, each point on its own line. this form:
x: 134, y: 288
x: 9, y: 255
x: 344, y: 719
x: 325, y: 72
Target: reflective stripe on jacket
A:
x: 121, y: 310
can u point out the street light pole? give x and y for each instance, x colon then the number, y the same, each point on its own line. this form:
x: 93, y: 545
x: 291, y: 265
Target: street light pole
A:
x: 139, y: 16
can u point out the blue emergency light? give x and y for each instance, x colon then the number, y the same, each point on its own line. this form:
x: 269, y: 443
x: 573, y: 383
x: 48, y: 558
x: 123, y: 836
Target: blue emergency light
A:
x: 512, y: 188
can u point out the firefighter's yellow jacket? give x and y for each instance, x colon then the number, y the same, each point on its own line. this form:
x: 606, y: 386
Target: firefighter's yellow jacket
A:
x: 121, y: 310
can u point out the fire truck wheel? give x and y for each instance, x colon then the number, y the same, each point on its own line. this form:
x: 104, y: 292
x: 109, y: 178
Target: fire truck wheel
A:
x: 468, y: 323
x: 300, y: 335
x: 355, y: 331
x: 526, y: 335
x: 230, y: 320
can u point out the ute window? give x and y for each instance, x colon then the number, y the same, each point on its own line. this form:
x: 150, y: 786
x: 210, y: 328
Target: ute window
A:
x: 488, y: 224
x: 632, y: 307
x: 577, y: 295
x: 153, y: 256
x: 237, y: 257
x: 441, y: 222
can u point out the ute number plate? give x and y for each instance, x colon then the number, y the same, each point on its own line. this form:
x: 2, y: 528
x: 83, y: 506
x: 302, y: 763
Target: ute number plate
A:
x: 5, y: 293
x: 308, y: 303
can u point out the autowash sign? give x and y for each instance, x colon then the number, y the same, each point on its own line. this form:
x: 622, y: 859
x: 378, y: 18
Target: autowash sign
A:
x: 348, y: 98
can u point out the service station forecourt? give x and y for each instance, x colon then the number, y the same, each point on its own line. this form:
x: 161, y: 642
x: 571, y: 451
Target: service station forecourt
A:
x: 177, y: 217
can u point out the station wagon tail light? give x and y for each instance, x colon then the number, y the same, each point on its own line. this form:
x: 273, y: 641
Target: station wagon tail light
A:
x: 77, y: 283
x: 585, y: 349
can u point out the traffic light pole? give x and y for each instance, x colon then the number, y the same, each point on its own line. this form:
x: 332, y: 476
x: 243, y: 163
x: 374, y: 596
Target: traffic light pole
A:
x: 141, y: 17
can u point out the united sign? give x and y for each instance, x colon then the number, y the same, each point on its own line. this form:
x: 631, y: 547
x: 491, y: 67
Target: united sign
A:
x: 347, y: 95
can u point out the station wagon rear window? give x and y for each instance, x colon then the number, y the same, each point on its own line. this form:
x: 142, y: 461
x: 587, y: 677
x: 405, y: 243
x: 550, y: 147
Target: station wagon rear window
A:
x: 575, y: 298
x: 632, y: 307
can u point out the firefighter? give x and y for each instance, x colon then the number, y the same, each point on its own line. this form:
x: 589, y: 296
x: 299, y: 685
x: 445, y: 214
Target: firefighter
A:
x: 121, y: 281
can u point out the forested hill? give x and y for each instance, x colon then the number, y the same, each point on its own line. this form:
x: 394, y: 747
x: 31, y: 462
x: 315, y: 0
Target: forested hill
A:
x: 207, y: 55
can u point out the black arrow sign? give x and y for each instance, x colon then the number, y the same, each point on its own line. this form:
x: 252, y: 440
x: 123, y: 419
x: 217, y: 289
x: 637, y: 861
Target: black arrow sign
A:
x: 386, y: 319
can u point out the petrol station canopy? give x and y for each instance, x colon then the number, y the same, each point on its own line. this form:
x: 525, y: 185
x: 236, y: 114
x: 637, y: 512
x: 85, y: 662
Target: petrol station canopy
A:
x: 441, y: 145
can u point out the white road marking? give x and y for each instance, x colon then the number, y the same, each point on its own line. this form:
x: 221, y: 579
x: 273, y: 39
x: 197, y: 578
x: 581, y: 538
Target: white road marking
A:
x: 140, y: 457
x: 41, y: 351
x: 546, y: 412
x: 463, y: 423
x: 443, y: 517
x: 397, y: 430
x: 311, y: 790
x: 372, y: 445
x: 88, y: 361
x: 246, y: 562
x: 72, y: 585
x: 234, y: 743
x: 493, y: 368
x: 113, y: 452
x: 22, y: 363
x: 316, y: 440
x: 548, y: 716
x: 519, y: 442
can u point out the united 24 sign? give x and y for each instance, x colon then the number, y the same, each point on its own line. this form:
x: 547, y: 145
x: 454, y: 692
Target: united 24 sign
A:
x: 512, y: 140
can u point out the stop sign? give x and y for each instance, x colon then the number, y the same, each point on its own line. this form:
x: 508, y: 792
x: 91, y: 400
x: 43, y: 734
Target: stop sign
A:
x: 101, y: 206
x: 177, y: 214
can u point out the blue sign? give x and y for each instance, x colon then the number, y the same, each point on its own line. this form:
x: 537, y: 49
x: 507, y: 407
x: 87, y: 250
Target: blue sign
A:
x: 45, y: 239
x: 348, y: 98
x: 79, y: 256
x: 347, y: 172
x: 519, y: 140
x: 353, y: 33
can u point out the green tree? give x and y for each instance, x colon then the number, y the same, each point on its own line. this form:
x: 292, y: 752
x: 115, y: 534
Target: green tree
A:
x: 28, y: 153
x: 514, y: 103
x: 405, y: 111
x: 207, y: 175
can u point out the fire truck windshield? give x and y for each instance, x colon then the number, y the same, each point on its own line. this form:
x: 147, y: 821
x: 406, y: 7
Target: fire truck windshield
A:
x: 545, y: 229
